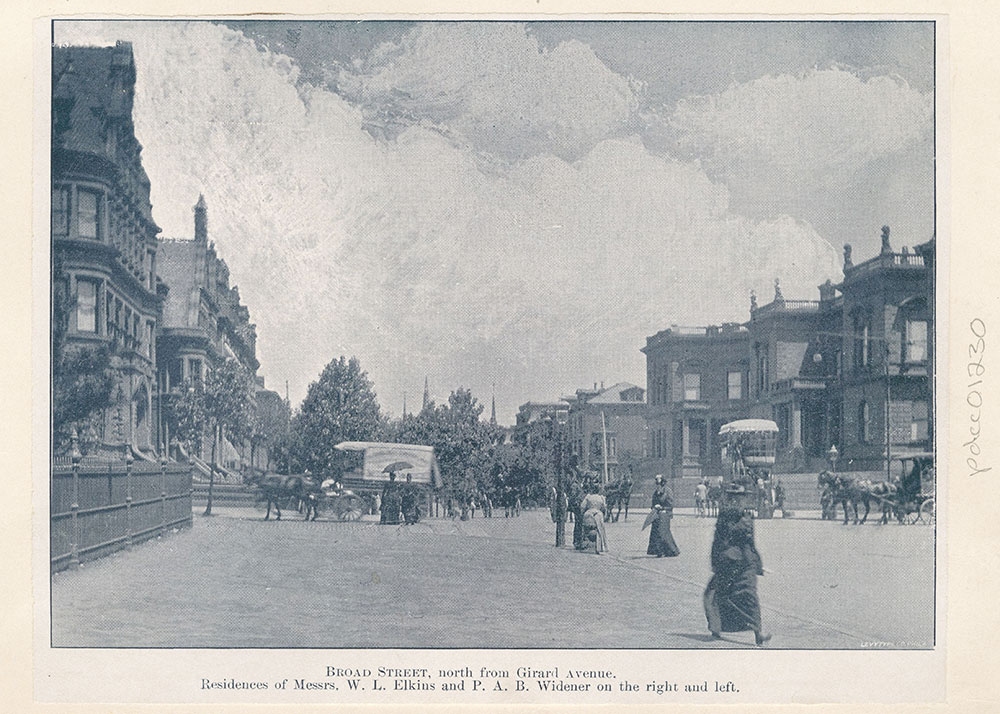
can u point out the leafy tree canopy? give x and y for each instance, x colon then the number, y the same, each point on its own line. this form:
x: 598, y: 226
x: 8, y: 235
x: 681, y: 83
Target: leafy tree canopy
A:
x: 340, y: 406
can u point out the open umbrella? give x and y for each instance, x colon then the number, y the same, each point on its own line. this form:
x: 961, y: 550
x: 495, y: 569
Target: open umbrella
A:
x: 653, y: 513
x: 397, y: 466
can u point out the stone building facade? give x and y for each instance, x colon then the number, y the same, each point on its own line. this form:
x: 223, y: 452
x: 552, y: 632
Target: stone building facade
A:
x: 204, y: 323
x: 697, y: 379
x: 608, y: 421
x: 853, y: 369
x: 104, y: 246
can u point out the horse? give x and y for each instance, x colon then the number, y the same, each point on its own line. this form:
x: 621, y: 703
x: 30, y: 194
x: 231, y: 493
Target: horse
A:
x: 618, y: 495
x: 851, y: 493
x: 274, y: 488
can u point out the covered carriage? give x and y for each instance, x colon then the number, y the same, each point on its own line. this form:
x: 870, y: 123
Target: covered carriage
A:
x: 748, y: 453
x: 915, y: 497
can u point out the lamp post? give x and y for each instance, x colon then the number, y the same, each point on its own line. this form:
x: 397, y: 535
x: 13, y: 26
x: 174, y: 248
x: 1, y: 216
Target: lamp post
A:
x: 833, y: 455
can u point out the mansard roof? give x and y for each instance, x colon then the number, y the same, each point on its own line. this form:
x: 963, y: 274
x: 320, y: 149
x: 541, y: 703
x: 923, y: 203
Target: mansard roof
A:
x: 98, y: 85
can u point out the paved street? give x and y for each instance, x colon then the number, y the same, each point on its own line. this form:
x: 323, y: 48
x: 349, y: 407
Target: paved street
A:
x: 236, y: 581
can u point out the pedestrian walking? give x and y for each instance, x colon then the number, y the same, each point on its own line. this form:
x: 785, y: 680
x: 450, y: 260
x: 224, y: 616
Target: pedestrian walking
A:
x: 701, y: 497
x: 661, y: 540
x: 594, y: 510
x: 730, y: 600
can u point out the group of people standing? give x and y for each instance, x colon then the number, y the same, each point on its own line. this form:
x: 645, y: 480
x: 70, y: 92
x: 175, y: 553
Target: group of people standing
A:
x: 400, y: 503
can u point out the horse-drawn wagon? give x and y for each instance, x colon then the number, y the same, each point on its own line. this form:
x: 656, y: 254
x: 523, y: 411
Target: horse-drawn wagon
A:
x: 915, y: 500
x: 748, y: 450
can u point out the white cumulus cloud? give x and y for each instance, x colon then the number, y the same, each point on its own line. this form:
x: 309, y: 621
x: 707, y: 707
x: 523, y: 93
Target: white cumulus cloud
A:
x: 493, y: 85
x: 541, y: 275
x: 781, y: 135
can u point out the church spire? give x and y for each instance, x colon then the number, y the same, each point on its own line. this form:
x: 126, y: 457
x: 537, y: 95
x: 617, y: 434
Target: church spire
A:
x: 404, y: 405
x: 493, y: 407
x: 427, y: 394
x: 201, y: 220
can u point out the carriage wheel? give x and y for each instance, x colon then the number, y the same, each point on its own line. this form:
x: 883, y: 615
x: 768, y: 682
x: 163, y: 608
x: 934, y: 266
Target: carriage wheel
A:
x: 927, y: 511
x: 911, y: 517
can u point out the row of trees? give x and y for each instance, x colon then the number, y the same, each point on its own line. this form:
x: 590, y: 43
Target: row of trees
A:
x: 472, y: 453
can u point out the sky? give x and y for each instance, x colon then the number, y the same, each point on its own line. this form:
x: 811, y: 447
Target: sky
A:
x: 514, y: 207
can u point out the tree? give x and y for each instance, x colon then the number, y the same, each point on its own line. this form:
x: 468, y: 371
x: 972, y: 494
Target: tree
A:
x: 228, y: 399
x: 185, y: 412
x: 339, y: 406
x: 271, y: 426
x: 466, y: 447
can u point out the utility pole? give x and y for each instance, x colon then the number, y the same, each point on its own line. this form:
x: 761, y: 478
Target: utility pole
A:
x: 888, y: 405
x: 288, y: 431
x: 604, y: 433
x: 557, y: 433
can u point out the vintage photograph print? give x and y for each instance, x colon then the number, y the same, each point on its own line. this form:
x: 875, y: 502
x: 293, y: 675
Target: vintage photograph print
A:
x: 576, y: 335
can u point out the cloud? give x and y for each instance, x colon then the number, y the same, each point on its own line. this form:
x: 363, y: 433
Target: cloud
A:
x: 493, y: 85
x: 539, y: 275
x: 781, y: 135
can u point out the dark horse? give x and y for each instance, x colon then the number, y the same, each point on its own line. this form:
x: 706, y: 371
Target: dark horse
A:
x: 299, y: 489
x: 851, y: 493
x: 618, y: 495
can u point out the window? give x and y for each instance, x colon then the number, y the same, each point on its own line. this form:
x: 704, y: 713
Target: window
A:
x: 175, y: 374
x: 735, y: 385
x: 916, y: 341
x: 862, y: 340
x: 696, y: 438
x: 596, y: 450
x: 194, y: 372
x: 919, y: 422
x: 109, y: 313
x: 86, y: 306
x: 762, y: 375
x: 692, y: 387
x: 60, y: 211
x: 88, y: 214
x: 612, y: 446
x: 864, y: 420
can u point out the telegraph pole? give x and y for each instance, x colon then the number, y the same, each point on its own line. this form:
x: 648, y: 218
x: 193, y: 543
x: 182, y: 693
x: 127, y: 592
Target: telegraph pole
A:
x: 557, y: 432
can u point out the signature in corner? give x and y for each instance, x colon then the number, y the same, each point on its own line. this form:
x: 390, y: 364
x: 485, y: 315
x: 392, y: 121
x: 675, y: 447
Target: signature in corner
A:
x: 975, y: 370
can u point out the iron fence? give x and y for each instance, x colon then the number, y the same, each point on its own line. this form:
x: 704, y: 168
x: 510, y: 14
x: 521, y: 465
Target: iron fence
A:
x: 99, y: 507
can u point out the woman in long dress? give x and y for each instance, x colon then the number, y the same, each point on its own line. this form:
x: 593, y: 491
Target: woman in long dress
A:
x: 594, y: 508
x: 661, y: 541
x: 731, y: 603
x: 391, y: 502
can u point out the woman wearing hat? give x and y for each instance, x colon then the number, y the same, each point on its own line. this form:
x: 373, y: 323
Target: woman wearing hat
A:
x: 661, y: 542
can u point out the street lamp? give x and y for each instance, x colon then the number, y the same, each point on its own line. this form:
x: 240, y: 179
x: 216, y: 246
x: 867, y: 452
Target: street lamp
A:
x: 833, y: 455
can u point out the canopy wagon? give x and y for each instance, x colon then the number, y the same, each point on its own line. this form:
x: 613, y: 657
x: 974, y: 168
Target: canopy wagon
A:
x: 915, y: 497
x: 748, y: 451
